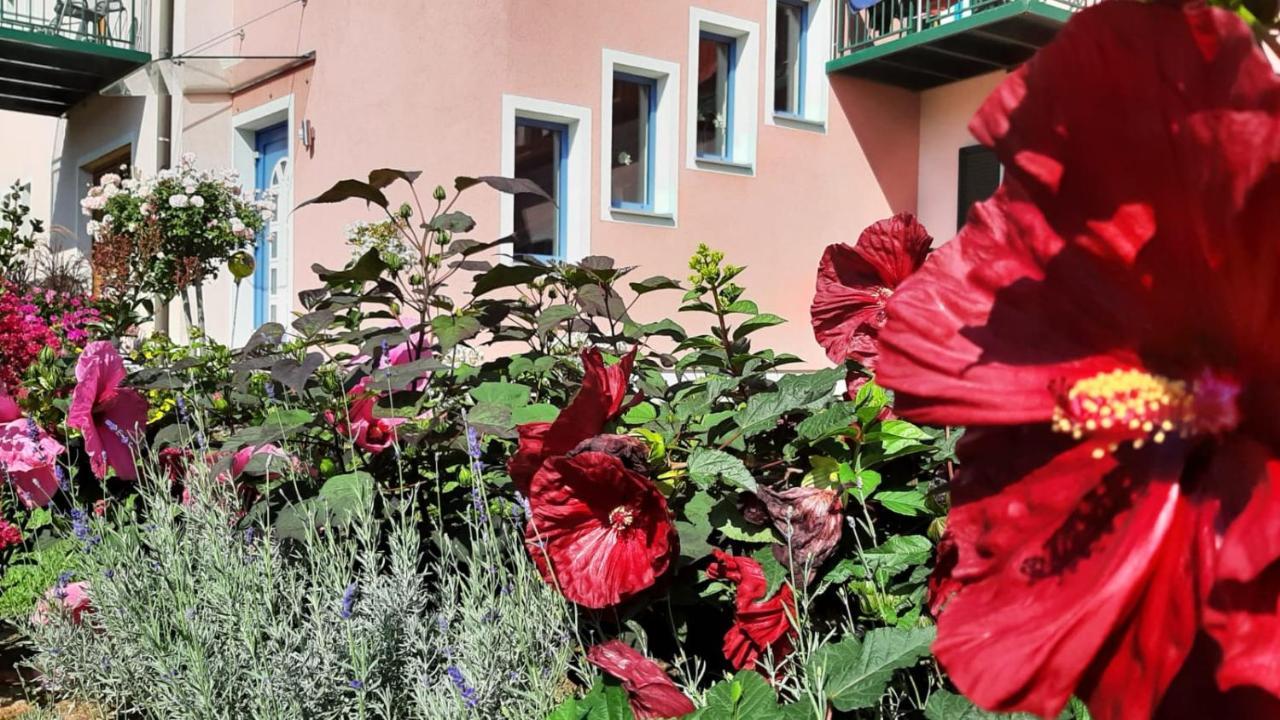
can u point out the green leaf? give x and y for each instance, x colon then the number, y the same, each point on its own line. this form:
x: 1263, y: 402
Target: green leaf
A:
x: 696, y: 526
x: 794, y: 391
x: 903, y: 502
x: 512, y: 395
x: 727, y: 518
x: 511, y: 186
x: 383, y: 177
x: 657, y: 282
x: 855, y: 673
x: 774, y: 573
x: 346, y: 190
x: 538, y: 412
x: 492, y: 419
x: 394, y: 378
x: 343, y: 493
x: 862, y: 484
x: 759, y: 322
x: 745, y: 696
x: 502, y: 276
x: 945, y: 705
x: 743, y: 306
x: 366, y: 269
x: 826, y: 422
x: 640, y: 414
x: 605, y: 701
x: 450, y: 330
x: 898, y: 552
x: 454, y: 222
x: 897, y: 437
x: 555, y: 315
x: 707, y: 465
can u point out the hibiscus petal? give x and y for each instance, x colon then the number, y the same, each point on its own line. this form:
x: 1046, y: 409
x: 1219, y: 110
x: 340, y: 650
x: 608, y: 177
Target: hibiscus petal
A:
x: 1244, y: 619
x: 119, y: 424
x: 599, y: 400
x: 1194, y: 695
x: 1000, y: 315
x: 528, y: 456
x: 1055, y: 550
x: 650, y: 691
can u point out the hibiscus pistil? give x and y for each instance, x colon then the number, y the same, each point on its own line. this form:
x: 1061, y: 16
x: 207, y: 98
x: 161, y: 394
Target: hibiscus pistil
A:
x: 621, y: 517
x: 1135, y: 405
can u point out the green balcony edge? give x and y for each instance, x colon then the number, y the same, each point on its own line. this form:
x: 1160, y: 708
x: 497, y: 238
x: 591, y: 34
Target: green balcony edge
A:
x: 928, y: 35
x: 59, y: 42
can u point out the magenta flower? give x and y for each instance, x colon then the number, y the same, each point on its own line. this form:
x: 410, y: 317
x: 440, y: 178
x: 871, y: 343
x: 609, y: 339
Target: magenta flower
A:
x: 28, y: 455
x: 74, y: 598
x: 111, y: 417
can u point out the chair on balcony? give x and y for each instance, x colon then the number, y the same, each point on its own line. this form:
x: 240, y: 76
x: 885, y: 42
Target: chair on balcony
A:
x: 94, y: 17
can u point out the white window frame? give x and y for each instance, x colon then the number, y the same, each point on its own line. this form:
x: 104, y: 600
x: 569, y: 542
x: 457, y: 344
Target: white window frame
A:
x: 244, y: 128
x: 746, y: 92
x: 666, y: 150
x: 817, y: 51
x: 577, y: 120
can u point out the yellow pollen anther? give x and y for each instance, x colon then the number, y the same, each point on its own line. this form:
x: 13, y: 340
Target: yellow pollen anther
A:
x: 1131, y: 405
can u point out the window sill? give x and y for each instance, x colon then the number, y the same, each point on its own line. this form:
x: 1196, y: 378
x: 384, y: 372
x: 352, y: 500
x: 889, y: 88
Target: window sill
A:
x: 712, y: 164
x: 797, y: 122
x: 642, y: 217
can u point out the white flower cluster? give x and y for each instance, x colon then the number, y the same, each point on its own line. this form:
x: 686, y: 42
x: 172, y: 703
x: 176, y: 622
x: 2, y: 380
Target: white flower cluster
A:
x: 195, y: 189
x: 383, y: 236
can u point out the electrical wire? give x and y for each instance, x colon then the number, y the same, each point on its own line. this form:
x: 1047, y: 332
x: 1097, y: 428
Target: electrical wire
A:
x: 238, y: 29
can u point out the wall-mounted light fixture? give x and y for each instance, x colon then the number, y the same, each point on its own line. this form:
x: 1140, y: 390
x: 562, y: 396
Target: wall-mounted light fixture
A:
x: 305, y: 134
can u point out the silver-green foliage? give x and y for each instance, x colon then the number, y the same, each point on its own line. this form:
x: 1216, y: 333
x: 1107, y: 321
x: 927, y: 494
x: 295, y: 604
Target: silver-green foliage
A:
x: 196, y: 618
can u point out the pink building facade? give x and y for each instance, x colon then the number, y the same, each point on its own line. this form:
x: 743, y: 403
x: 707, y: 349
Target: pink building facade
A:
x: 659, y: 126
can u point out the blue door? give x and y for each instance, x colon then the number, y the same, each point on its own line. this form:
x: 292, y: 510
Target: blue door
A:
x: 270, y: 169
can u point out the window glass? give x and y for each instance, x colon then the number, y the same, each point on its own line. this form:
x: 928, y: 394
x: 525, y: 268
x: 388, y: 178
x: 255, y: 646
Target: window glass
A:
x: 715, y: 90
x: 979, y: 177
x: 632, y: 172
x: 788, y: 83
x: 540, y: 158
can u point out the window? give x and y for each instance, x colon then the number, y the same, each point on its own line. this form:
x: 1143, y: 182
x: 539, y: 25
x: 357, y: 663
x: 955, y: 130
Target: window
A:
x: 548, y: 143
x: 540, y: 155
x: 117, y: 162
x: 798, y: 44
x: 980, y: 174
x: 635, y: 106
x: 722, y: 112
x: 715, y: 96
x: 640, y: 139
x: 791, y: 21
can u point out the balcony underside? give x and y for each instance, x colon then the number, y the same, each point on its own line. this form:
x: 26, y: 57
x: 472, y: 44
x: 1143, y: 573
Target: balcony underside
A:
x: 995, y: 38
x: 46, y: 74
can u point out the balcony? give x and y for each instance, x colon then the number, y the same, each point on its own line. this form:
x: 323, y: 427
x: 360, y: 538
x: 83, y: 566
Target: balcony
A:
x: 54, y: 53
x: 918, y: 44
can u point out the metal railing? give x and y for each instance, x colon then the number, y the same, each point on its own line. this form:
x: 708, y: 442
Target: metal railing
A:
x: 115, y: 23
x: 889, y: 20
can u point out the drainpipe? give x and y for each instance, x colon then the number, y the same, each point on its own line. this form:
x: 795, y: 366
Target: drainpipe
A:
x: 165, y: 131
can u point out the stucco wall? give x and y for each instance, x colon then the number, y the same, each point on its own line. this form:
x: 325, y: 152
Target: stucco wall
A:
x: 944, y: 129
x: 27, y: 156
x: 423, y: 89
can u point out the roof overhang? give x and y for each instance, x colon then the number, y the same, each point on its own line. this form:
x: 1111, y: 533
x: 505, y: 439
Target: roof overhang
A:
x: 204, y: 74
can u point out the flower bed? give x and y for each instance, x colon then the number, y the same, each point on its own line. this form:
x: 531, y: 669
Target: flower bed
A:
x: 366, y: 515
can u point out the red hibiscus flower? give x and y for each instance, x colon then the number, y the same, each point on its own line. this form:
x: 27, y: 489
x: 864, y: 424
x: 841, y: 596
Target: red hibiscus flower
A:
x: 854, y: 283
x: 599, y: 530
x: 368, y: 431
x: 759, y: 625
x: 650, y: 692
x: 1108, y: 324
x: 599, y: 400
x: 112, y: 418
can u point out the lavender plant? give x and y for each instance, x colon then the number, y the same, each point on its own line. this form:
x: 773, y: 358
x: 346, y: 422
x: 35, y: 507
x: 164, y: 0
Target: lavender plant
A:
x: 200, y: 614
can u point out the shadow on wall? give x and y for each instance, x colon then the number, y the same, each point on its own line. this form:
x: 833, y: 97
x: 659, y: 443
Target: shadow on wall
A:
x: 886, y: 124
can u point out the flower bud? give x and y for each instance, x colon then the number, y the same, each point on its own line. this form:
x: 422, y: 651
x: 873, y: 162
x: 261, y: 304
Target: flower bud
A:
x: 439, y: 194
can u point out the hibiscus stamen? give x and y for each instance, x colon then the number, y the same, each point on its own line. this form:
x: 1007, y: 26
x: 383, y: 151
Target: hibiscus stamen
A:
x: 1134, y: 405
x: 621, y: 517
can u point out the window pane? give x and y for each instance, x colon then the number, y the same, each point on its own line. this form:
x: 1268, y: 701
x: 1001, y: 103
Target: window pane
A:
x: 979, y: 178
x: 630, y: 156
x: 787, y: 82
x: 714, y: 118
x: 537, y: 221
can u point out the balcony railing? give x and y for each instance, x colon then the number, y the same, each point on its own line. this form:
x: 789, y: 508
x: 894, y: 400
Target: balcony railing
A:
x: 111, y: 23
x: 892, y: 20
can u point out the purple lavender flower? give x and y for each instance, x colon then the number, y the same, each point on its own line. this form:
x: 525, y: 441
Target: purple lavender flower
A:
x: 271, y: 390
x: 473, y: 443
x: 249, y: 534
x: 355, y: 685
x: 63, y: 483
x: 467, y: 692
x: 120, y: 434
x: 182, y: 408
x: 80, y: 525
x: 348, y: 601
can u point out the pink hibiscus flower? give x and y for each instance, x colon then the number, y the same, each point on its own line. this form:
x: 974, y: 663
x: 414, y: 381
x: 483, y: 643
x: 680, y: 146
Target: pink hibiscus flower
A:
x: 74, y: 598
x: 28, y: 456
x: 112, y: 418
